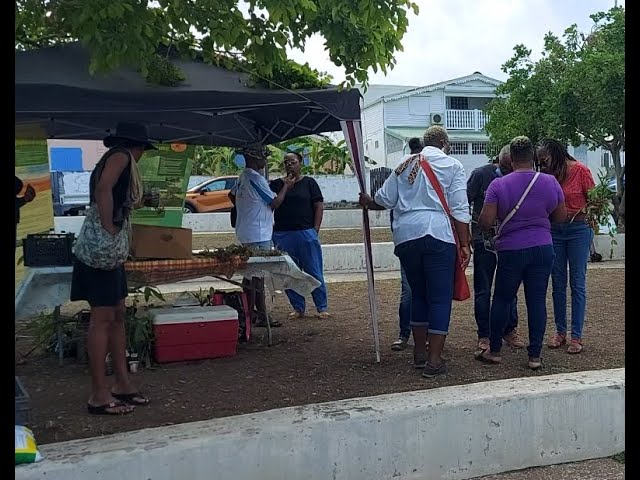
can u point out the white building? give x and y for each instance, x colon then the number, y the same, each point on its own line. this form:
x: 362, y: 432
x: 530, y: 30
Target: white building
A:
x: 393, y: 114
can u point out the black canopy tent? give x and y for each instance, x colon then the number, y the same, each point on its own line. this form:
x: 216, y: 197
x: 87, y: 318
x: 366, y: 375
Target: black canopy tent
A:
x: 56, y: 97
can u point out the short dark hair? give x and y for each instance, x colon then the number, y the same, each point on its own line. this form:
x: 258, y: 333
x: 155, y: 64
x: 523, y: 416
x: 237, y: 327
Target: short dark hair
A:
x: 435, y: 136
x: 298, y: 155
x: 415, y: 145
x: 521, y: 149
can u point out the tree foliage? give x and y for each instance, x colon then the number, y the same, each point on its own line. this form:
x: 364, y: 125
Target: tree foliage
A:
x: 251, y: 36
x: 574, y: 93
x: 325, y: 157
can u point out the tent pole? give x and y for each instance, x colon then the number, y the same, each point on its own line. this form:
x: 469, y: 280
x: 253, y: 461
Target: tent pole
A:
x: 353, y: 136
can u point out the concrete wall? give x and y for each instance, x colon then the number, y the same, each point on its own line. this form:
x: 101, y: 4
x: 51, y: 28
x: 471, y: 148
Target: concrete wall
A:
x: 348, y: 258
x: 335, y: 188
x: 444, y: 433
x: 221, y: 223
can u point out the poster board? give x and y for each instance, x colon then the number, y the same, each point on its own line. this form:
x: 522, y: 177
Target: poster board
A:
x: 32, y: 167
x: 166, y: 171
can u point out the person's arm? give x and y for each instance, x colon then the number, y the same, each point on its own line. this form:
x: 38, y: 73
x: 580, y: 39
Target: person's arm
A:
x: 489, y: 213
x: 587, y: 181
x: 276, y: 200
x: 459, y: 207
x: 559, y: 214
x: 318, y: 213
x: 233, y: 192
x: 113, y: 168
x: 317, y: 201
x: 473, y: 186
x: 386, y: 197
x: 19, y: 186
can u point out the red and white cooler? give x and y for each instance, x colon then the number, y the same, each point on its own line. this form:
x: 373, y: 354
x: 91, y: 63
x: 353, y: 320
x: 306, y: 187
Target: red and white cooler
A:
x: 195, y: 333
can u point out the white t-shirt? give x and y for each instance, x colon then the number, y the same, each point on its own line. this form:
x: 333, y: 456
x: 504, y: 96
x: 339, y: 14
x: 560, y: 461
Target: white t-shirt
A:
x: 254, y: 222
x: 417, y: 210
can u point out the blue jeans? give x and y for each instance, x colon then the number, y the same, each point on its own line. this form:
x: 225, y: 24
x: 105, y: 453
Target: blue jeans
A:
x: 484, y: 269
x: 531, y: 266
x: 404, y: 311
x: 303, y: 246
x: 268, y: 245
x: 429, y: 266
x: 571, y: 242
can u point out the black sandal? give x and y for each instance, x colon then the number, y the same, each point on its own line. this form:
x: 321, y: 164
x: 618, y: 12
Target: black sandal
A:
x: 419, y: 359
x: 135, y: 398
x: 105, y: 409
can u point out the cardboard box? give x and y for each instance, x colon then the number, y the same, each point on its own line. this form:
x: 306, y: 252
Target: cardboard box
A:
x: 163, y: 243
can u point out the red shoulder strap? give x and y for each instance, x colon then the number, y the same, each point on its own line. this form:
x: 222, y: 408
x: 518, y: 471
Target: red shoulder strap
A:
x: 434, y: 183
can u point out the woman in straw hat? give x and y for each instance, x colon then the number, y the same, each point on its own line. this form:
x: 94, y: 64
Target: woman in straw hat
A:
x: 98, y: 273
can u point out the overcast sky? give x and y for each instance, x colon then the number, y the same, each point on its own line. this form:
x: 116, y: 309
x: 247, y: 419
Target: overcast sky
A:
x: 453, y: 38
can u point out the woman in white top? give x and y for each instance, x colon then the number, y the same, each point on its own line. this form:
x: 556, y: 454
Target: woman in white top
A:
x: 425, y: 243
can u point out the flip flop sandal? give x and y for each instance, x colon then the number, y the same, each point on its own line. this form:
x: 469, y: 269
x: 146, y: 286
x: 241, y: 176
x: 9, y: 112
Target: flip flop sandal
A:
x: 575, y: 347
x: 135, y: 398
x: 107, y: 409
x: 296, y: 315
x: 489, y: 361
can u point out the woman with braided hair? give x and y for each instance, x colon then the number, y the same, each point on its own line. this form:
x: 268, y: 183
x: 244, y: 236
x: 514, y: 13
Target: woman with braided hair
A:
x: 571, y: 241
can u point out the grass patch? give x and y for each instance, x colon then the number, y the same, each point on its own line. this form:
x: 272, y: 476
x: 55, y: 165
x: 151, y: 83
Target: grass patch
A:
x: 619, y: 457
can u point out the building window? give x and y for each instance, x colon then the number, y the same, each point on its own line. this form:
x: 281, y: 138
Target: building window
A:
x: 376, y: 144
x: 394, y: 144
x: 457, y: 103
x: 459, y: 148
x: 606, y: 160
x: 478, y: 148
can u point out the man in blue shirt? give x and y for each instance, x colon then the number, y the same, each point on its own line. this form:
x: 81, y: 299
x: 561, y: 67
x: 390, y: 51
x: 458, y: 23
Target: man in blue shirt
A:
x: 255, y: 202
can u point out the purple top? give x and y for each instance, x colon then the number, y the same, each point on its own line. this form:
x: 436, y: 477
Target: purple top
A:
x: 530, y: 226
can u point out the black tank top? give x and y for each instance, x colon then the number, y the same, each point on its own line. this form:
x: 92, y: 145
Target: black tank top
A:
x: 120, y: 190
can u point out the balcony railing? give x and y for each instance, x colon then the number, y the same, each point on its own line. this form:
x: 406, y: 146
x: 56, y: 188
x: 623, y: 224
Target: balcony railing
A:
x: 466, y: 119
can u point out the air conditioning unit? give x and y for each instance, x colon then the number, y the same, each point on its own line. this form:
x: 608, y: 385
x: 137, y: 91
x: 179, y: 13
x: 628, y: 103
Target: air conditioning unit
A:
x: 437, y: 119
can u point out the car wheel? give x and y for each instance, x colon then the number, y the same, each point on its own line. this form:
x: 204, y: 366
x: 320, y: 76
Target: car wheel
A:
x: 188, y: 208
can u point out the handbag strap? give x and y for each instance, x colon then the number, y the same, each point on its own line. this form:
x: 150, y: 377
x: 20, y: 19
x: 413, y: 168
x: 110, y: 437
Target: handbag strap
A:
x: 428, y: 171
x: 515, y: 209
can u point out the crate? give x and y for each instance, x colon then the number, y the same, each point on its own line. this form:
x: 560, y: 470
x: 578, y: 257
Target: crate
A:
x: 48, y: 250
x: 23, y: 408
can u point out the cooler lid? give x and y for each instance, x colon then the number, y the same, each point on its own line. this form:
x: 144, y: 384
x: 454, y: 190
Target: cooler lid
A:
x: 217, y: 313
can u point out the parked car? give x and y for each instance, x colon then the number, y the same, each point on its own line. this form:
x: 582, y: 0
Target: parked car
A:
x: 210, y: 196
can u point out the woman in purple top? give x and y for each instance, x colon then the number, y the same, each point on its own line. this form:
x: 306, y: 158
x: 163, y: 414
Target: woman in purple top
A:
x: 523, y: 245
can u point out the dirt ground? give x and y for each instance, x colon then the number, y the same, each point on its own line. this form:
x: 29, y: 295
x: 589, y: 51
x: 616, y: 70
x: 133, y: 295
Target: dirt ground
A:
x: 313, y: 361
x: 327, y: 237
x: 600, y: 469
